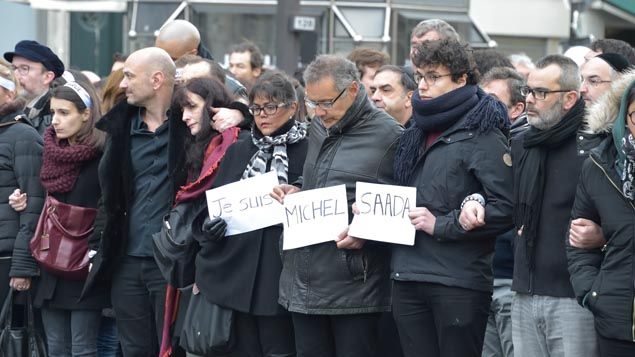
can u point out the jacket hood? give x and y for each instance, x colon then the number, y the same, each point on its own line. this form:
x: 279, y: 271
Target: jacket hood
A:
x: 600, y: 116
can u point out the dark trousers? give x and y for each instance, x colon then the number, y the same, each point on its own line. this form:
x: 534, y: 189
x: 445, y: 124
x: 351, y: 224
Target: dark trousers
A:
x: 335, y: 335
x: 268, y: 336
x: 438, y: 320
x: 138, y: 297
x: 615, y: 348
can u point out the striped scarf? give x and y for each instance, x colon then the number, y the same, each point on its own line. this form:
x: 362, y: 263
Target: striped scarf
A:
x: 273, y: 149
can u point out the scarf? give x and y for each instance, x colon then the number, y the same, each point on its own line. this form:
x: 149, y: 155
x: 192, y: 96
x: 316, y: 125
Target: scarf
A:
x: 62, y: 163
x: 273, y: 149
x: 211, y: 159
x: 529, y: 176
x: 480, y: 111
x: 628, y: 171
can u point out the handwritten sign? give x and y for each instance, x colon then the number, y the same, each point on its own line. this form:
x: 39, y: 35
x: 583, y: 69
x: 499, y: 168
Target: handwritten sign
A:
x: 246, y: 205
x: 314, y: 216
x: 383, y: 213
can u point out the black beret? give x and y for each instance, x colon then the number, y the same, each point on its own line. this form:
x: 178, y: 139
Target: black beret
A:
x: 36, y: 52
x: 616, y: 61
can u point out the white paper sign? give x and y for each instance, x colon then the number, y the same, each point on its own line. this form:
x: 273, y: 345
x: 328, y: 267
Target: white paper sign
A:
x: 314, y: 216
x: 384, y: 213
x: 246, y: 205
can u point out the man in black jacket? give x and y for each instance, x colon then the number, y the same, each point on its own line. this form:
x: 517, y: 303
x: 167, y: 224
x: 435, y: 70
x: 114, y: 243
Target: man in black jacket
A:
x: 546, y: 319
x: 139, y: 172
x: 336, y: 291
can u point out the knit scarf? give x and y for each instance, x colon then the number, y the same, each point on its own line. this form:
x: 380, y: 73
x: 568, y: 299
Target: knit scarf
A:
x: 211, y: 159
x: 628, y: 171
x: 480, y: 111
x: 62, y: 163
x: 274, y: 149
x: 529, y: 175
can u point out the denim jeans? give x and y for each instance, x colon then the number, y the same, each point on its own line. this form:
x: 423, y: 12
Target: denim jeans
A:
x: 71, y: 332
x: 138, y: 297
x: 498, y: 335
x: 552, y: 327
x: 108, y: 339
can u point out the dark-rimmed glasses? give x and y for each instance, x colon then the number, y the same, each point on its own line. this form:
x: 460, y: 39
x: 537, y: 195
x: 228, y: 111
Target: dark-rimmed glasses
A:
x: 594, y: 81
x: 430, y: 78
x: 325, y: 105
x: 22, y: 69
x: 269, y: 108
x: 540, y: 93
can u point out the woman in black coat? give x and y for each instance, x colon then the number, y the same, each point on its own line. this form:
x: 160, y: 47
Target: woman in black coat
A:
x: 603, y: 278
x: 72, y: 149
x: 242, y: 272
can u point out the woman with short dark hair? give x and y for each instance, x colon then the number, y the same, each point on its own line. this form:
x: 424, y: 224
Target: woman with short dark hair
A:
x: 456, y: 146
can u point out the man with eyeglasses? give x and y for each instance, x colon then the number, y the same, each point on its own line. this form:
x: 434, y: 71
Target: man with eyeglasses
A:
x: 546, y: 318
x: 336, y: 291
x: 598, y: 73
x: 35, y: 66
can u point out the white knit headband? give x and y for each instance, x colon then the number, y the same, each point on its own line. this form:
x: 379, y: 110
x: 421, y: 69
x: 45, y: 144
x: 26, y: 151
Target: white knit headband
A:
x: 81, y: 92
x: 5, y: 83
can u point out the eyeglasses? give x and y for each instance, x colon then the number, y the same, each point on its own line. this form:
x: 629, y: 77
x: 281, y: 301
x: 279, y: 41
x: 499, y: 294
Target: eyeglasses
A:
x: 269, y: 109
x: 430, y: 78
x: 22, y: 69
x: 593, y: 81
x: 325, y: 105
x: 540, y: 93
x: 631, y: 117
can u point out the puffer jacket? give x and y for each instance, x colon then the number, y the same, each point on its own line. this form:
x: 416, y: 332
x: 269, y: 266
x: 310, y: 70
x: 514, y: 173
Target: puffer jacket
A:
x: 322, y: 279
x: 20, y: 161
x: 458, y: 163
x: 603, y: 279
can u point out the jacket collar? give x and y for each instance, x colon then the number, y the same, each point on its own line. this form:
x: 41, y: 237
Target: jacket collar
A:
x: 118, y: 118
x: 600, y: 116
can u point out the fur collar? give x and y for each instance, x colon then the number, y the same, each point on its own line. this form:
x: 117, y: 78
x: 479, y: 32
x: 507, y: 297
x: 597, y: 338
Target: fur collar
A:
x: 601, y: 115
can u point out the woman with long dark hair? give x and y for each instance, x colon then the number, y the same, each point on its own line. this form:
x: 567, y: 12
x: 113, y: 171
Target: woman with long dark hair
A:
x: 242, y: 272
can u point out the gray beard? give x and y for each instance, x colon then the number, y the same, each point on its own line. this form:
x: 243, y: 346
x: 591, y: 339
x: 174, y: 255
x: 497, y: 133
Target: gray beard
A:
x: 548, y: 118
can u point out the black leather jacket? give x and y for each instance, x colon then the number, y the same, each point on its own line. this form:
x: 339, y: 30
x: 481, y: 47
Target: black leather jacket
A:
x: 322, y: 279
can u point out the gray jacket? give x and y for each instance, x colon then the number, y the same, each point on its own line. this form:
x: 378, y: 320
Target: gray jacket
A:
x: 322, y: 279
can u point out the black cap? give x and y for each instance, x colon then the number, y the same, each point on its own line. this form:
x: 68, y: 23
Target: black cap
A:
x: 36, y: 52
x: 615, y: 60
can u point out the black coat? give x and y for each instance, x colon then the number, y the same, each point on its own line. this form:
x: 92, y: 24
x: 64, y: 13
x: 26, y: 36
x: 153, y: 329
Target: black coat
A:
x: 549, y: 276
x: 458, y: 163
x: 242, y: 272
x: 322, y: 279
x: 20, y: 161
x: 603, y: 278
x: 56, y: 292
x: 110, y: 237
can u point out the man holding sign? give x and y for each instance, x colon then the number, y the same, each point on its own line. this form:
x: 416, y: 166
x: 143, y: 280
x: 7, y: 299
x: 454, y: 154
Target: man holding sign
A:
x: 337, y: 289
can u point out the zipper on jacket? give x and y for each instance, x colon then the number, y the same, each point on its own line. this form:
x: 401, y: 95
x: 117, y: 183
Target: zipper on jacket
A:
x: 633, y: 206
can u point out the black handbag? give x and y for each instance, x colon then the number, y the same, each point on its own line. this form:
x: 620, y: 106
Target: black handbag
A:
x: 207, y: 328
x: 19, y: 341
x: 174, y: 247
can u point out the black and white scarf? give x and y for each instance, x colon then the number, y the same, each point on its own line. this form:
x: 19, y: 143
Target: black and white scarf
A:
x: 274, y: 149
x: 628, y: 172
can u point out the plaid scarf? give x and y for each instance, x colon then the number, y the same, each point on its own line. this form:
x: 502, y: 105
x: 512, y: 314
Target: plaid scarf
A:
x: 628, y: 172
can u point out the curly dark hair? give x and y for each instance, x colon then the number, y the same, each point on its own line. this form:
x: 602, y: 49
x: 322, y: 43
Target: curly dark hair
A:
x: 611, y: 45
x: 457, y: 57
x: 215, y: 95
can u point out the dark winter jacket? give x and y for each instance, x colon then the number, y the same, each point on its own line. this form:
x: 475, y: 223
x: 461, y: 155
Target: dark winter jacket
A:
x: 549, y: 276
x: 38, y: 112
x: 60, y: 293
x: 322, y: 279
x: 116, y: 179
x: 458, y: 163
x: 20, y: 161
x: 603, y: 279
x: 242, y: 272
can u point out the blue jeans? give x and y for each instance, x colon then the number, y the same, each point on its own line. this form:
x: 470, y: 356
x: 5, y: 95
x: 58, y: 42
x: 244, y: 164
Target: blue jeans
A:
x: 71, y: 332
x: 108, y: 340
x: 498, y: 335
x: 552, y: 327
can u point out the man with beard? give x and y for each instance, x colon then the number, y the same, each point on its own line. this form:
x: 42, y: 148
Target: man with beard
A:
x: 546, y: 318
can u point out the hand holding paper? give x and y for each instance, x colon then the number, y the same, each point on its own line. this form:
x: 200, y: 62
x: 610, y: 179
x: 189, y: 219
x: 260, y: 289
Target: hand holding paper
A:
x: 280, y: 191
x: 344, y: 241
x: 422, y: 219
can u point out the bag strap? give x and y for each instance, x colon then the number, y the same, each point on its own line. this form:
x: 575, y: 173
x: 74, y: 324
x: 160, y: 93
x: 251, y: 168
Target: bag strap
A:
x: 29, y: 311
x: 49, y: 209
x: 17, y: 119
x: 6, y: 316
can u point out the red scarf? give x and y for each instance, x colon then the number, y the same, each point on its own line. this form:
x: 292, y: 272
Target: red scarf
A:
x: 213, y: 155
x: 62, y: 163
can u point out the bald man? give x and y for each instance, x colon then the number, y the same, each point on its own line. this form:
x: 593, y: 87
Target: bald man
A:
x: 140, y: 171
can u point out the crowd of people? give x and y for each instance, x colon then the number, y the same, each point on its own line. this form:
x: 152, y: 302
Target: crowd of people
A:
x: 525, y: 199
